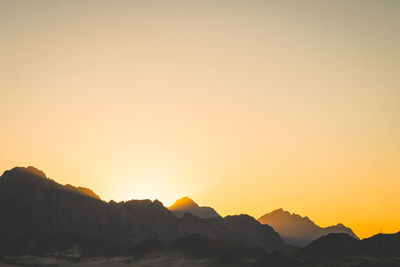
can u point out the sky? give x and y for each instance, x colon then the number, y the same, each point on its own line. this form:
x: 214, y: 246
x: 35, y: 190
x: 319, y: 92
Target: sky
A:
x: 245, y: 106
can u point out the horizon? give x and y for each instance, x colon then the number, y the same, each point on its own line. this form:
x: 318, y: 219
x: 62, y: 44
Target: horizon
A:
x: 245, y: 106
x: 168, y: 206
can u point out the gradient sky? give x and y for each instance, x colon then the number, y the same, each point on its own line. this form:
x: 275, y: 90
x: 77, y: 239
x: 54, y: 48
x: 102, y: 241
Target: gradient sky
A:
x: 245, y: 106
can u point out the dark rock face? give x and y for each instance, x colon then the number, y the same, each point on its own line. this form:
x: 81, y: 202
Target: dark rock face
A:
x: 299, y: 231
x: 380, y: 245
x: 342, y: 246
x: 35, y: 206
x: 240, y: 228
x: 329, y: 247
x: 185, y: 204
x: 39, y: 215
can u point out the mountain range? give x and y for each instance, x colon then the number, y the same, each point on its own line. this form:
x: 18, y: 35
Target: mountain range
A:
x: 38, y: 209
x: 42, y: 221
x: 297, y: 230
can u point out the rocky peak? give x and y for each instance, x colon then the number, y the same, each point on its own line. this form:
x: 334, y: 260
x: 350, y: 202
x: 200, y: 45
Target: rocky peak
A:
x: 184, y: 204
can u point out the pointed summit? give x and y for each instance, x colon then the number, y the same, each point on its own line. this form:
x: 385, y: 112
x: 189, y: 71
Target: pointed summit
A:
x: 280, y: 212
x: 187, y: 205
x: 183, y: 204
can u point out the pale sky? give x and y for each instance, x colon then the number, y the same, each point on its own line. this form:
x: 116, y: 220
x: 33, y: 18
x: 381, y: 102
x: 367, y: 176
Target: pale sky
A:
x: 245, y: 106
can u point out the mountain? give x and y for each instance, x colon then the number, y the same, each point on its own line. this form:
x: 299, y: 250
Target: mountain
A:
x: 239, y: 228
x: 299, y: 231
x: 328, y: 247
x: 71, y: 226
x: 39, y: 216
x: 379, y: 250
x: 185, y: 204
x: 38, y: 209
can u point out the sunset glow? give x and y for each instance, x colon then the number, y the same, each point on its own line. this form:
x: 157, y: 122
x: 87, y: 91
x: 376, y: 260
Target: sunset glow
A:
x: 245, y: 106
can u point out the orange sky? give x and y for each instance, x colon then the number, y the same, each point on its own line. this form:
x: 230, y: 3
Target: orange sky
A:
x: 246, y: 106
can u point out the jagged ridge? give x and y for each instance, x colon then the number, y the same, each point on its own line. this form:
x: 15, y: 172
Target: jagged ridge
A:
x: 43, y: 215
x: 297, y: 230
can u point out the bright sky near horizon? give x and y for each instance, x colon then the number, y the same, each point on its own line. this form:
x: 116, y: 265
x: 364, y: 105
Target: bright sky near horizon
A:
x: 245, y: 106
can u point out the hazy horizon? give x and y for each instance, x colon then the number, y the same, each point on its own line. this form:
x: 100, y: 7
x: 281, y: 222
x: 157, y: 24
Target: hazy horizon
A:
x: 244, y: 106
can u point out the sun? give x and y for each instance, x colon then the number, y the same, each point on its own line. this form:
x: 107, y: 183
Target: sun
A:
x: 147, y: 184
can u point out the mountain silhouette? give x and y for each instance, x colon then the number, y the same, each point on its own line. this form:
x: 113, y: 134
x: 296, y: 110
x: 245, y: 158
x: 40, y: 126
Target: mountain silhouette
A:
x: 239, y: 228
x: 185, y: 204
x: 43, y: 216
x: 39, y: 207
x: 299, y: 231
x: 339, y: 249
x: 378, y: 250
x: 328, y: 247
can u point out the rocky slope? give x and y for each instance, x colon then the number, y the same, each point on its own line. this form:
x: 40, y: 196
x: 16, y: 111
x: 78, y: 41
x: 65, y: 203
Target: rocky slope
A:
x: 297, y: 230
x: 39, y: 215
